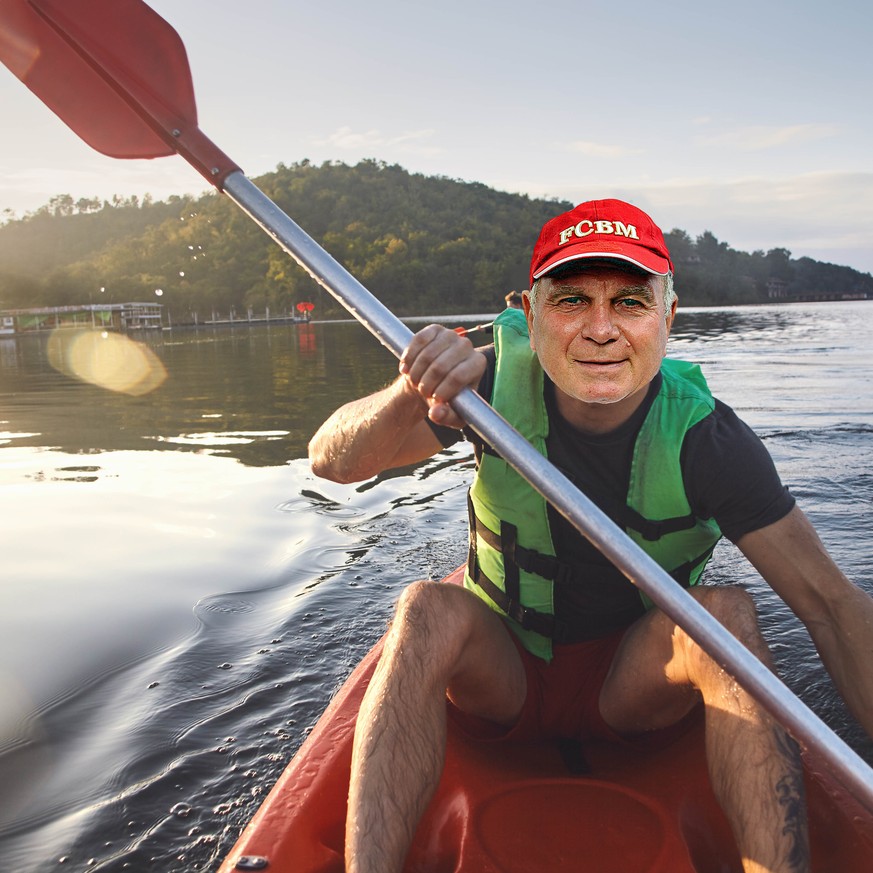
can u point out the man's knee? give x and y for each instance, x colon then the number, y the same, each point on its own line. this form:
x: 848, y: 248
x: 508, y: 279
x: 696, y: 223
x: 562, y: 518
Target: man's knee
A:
x: 434, y: 614
x: 424, y: 601
x: 734, y: 608
x: 731, y: 605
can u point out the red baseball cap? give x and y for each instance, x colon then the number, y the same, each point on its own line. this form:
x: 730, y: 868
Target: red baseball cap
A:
x: 609, y: 229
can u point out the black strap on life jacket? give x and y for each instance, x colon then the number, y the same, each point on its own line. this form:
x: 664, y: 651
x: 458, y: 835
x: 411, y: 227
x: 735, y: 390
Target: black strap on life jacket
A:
x: 509, y: 600
x: 682, y: 573
x: 516, y: 557
x: 529, y: 560
x: 624, y: 515
x: 654, y: 530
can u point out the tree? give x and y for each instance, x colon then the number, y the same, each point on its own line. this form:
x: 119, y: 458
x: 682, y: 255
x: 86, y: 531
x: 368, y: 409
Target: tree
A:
x: 419, y: 243
x: 779, y: 264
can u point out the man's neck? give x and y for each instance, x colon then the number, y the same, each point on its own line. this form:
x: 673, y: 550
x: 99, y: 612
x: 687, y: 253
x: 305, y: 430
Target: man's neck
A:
x: 597, y: 419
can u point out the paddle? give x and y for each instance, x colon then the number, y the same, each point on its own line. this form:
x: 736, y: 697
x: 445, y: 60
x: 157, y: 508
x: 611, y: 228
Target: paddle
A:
x: 118, y: 75
x: 466, y: 331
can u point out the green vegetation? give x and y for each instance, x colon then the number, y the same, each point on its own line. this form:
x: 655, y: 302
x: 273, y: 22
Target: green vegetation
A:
x: 421, y: 244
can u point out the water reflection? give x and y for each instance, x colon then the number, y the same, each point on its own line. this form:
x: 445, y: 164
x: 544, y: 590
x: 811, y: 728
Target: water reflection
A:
x: 251, y: 393
x: 726, y: 324
x: 111, y: 361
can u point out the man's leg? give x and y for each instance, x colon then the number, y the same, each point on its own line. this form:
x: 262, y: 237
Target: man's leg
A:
x: 658, y: 675
x: 442, y: 638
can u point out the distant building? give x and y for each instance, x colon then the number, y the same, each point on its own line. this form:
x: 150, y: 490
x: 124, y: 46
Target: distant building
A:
x: 109, y: 316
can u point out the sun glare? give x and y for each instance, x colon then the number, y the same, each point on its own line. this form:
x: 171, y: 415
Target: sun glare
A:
x: 108, y: 360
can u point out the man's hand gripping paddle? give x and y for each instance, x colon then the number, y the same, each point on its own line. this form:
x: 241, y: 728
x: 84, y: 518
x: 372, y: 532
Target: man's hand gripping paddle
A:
x: 118, y: 75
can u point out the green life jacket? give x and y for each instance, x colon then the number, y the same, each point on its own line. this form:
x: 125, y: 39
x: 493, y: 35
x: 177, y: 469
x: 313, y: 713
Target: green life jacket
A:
x: 513, y: 566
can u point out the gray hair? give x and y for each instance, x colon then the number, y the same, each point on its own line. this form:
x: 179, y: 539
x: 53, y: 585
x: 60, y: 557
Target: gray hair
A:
x: 669, y: 292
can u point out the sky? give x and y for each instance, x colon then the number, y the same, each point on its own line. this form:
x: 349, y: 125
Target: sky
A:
x: 751, y: 120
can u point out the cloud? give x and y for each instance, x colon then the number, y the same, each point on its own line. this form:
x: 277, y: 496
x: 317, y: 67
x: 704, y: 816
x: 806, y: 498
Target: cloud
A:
x: 370, y: 141
x: 26, y: 190
x: 601, y: 150
x: 762, y: 137
x: 826, y: 215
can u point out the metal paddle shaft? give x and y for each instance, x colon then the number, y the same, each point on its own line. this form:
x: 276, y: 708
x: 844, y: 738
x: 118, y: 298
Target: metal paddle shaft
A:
x: 117, y: 74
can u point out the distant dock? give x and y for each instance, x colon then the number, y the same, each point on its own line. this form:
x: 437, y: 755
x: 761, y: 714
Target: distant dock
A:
x: 107, y: 316
x: 123, y: 317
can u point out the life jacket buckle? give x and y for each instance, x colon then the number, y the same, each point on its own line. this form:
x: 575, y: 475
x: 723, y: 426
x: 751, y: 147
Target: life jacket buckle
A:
x: 526, y: 619
x: 524, y: 615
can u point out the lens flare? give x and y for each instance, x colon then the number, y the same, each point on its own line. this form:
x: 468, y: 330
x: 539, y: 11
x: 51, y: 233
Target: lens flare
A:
x: 108, y: 360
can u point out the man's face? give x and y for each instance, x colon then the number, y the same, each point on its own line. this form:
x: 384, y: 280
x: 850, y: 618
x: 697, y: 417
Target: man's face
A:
x: 600, y: 334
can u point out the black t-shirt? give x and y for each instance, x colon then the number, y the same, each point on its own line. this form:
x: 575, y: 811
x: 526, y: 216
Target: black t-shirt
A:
x: 728, y: 475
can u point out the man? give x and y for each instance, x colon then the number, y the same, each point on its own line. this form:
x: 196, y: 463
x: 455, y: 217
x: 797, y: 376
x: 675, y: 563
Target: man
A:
x: 547, y: 638
x: 513, y: 300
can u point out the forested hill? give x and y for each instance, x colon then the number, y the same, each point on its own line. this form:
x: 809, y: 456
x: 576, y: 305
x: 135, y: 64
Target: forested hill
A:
x: 421, y: 244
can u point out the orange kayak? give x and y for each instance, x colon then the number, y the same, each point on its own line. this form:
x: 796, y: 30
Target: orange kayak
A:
x: 520, y: 808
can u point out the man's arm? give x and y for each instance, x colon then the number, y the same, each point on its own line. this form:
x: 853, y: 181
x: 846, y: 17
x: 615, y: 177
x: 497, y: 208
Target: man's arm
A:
x: 365, y: 437
x: 838, y: 615
x: 388, y: 429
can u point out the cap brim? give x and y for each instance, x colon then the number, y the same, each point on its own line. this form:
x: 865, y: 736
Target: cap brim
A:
x: 648, y: 261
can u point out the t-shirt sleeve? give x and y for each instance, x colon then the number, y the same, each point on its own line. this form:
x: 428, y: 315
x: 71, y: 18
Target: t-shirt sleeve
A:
x: 730, y: 476
x: 447, y: 436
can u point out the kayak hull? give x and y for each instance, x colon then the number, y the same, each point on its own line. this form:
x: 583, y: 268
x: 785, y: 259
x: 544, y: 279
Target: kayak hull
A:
x: 505, y: 807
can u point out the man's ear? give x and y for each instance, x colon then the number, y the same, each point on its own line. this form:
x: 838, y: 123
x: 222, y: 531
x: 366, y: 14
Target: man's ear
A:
x: 528, y: 314
x: 672, y: 314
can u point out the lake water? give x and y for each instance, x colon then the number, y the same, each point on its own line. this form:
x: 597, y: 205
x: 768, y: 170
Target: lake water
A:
x: 181, y: 596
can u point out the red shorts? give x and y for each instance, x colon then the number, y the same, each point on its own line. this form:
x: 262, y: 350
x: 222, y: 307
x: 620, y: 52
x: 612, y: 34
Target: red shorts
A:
x: 563, y: 699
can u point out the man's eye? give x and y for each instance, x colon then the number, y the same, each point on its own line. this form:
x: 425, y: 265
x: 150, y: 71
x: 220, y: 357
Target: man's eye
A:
x: 572, y: 300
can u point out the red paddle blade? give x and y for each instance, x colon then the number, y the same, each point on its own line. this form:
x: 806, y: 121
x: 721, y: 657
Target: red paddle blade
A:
x: 115, y: 72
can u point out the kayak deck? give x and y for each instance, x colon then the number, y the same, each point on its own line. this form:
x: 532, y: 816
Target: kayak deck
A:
x: 519, y: 807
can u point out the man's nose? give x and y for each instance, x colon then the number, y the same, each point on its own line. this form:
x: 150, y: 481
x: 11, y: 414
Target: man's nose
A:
x: 600, y: 326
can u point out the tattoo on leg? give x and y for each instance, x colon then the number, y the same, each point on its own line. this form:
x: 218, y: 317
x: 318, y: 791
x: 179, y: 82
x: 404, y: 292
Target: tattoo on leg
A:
x: 791, y: 796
